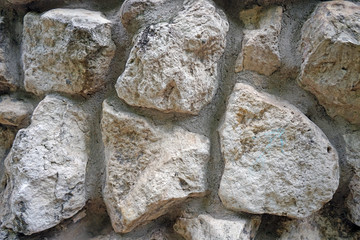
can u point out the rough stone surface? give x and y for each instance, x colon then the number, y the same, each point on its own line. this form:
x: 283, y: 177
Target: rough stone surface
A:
x: 330, y: 46
x: 14, y: 112
x: 7, y: 135
x: 207, y: 227
x: 173, y: 66
x: 276, y: 160
x: 148, y: 169
x: 301, y: 230
x: 260, y: 46
x: 45, y: 169
x: 66, y: 50
x: 352, y: 147
x: 353, y: 200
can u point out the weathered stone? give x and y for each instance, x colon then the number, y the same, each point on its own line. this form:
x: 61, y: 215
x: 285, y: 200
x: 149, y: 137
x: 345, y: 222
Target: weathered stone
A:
x: 353, y: 200
x: 260, y: 46
x: 45, y: 169
x: 9, y: 75
x: 276, y: 160
x: 14, y: 112
x: 330, y: 45
x: 7, y: 135
x: 66, y: 50
x: 304, y: 229
x: 149, y: 169
x: 352, y: 147
x: 135, y: 14
x: 173, y: 66
x: 207, y: 227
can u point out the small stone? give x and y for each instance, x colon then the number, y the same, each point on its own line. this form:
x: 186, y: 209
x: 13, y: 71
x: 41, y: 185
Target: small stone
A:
x: 207, y: 227
x: 330, y: 45
x: 353, y: 200
x: 66, y: 50
x: 260, y: 47
x: 276, y: 160
x: 14, y: 112
x: 173, y: 66
x: 46, y: 167
x: 304, y: 229
x: 352, y: 147
x: 149, y: 170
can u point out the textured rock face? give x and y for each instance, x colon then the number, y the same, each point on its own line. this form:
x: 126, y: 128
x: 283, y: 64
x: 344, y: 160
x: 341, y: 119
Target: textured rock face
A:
x: 330, y: 46
x: 352, y: 146
x: 148, y: 169
x: 260, y: 47
x: 207, y: 227
x: 173, y: 66
x: 45, y: 169
x: 66, y: 50
x: 276, y: 160
x: 14, y: 112
x: 301, y: 230
x: 353, y: 200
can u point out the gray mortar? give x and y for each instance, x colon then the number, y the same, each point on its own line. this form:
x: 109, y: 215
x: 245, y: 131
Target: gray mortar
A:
x: 282, y: 84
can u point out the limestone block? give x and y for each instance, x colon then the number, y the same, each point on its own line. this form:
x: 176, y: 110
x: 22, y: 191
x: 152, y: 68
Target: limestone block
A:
x: 330, y: 45
x: 260, y: 46
x: 173, y: 66
x: 276, y: 160
x: 45, y: 169
x: 149, y: 169
x: 353, y: 200
x: 66, y: 50
x: 207, y: 227
x: 14, y: 112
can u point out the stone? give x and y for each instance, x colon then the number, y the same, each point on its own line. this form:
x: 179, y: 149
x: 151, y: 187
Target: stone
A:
x: 353, y: 200
x: 46, y: 167
x: 352, y: 149
x: 330, y: 46
x: 260, y: 46
x: 207, y: 227
x: 149, y: 169
x: 173, y: 66
x: 7, y: 135
x: 18, y: 2
x: 14, y: 112
x: 66, y: 50
x: 304, y: 229
x: 276, y: 160
x: 9, y: 74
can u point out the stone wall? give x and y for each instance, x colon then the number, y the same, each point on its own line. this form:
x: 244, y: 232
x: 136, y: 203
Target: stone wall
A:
x: 179, y: 119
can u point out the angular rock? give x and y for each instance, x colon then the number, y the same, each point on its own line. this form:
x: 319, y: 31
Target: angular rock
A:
x: 352, y: 147
x: 149, y: 169
x: 207, y: 227
x: 260, y: 46
x: 330, y: 45
x: 353, y: 200
x: 304, y: 229
x: 46, y: 167
x: 173, y: 66
x: 7, y: 135
x: 276, y: 160
x: 14, y: 112
x: 66, y: 50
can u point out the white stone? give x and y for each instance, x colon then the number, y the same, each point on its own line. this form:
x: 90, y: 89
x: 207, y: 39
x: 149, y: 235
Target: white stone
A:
x: 260, y: 46
x: 14, y: 112
x: 46, y: 167
x: 173, y: 66
x: 207, y: 227
x: 149, y: 169
x: 276, y: 160
x: 330, y: 45
x: 66, y: 50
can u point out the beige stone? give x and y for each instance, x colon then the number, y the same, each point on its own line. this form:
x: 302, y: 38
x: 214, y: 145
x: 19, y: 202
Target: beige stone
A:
x: 276, y: 160
x: 207, y: 227
x: 260, y: 46
x: 149, y: 170
x: 46, y: 167
x: 173, y: 66
x: 66, y: 50
x: 14, y: 112
x: 330, y: 45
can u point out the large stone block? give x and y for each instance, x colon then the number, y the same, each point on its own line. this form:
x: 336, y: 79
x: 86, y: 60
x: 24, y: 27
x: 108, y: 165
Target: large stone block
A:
x: 330, y: 45
x: 276, y: 160
x: 260, y: 46
x: 45, y: 169
x: 66, y: 50
x: 149, y: 169
x: 173, y: 66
